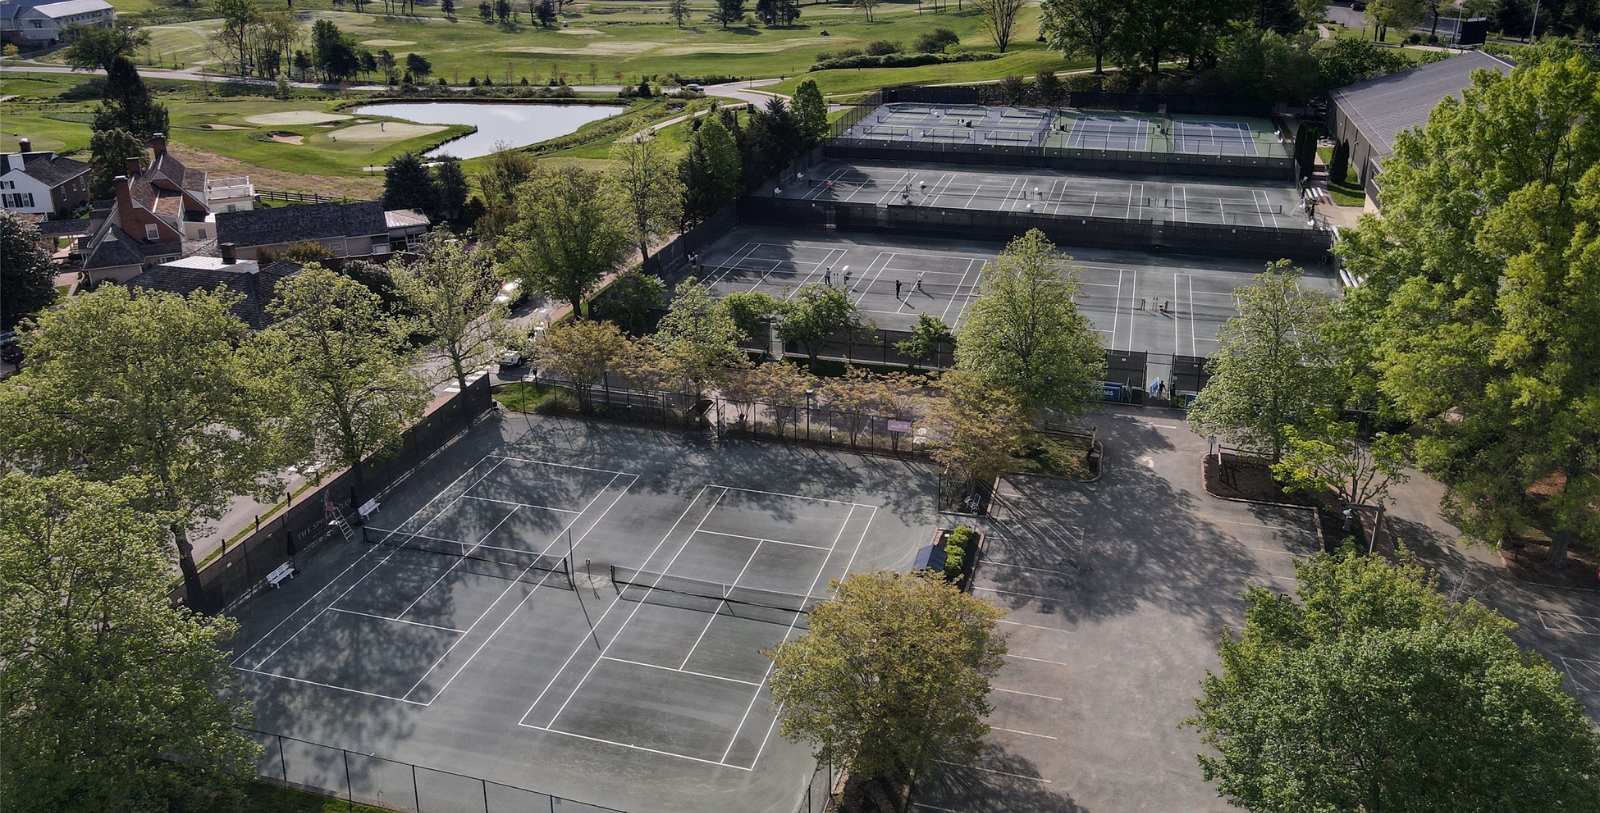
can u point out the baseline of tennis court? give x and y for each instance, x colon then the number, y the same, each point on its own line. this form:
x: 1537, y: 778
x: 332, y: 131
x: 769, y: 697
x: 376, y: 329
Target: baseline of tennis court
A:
x: 1106, y: 132
x: 1256, y: 203
x: 577, y: 609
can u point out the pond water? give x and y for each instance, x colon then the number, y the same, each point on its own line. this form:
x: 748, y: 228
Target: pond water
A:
x: 516, y: 124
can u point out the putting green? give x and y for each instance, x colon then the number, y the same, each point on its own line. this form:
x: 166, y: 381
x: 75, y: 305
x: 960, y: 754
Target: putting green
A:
x: 387, y: 131
x: 296, y: 117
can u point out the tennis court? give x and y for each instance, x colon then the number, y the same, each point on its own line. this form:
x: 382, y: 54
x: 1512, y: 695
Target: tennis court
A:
x: 1260, y: 203
x: 954, y: 124
x: 578, y: 610
x: 1213, y: 138
x: 1106, y: 132
x: 1138, y: 302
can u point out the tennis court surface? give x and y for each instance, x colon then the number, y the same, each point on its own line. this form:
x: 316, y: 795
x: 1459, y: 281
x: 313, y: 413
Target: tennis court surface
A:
x: 1217, y: 201
x: 578, y: 610
x: 1138, y: 302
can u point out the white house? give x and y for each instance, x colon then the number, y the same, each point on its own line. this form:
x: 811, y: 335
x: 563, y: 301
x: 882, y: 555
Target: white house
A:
x: 37, y: 24
x: 42, y: 183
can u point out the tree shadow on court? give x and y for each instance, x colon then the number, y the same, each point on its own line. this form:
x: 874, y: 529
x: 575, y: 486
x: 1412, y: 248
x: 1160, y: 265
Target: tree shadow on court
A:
x: 997, y: 781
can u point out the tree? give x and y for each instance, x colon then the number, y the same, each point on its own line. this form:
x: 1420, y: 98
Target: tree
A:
x: 546, y: 13
x: 448, y: 8
x: 928, y: 335
x: 628, y: 300
x: 500, y: 173
x: 1328, y: 454
x: 1081, y: 27
x: 1373, y: 691
x: 346, y: 362
x: 812, y: 112
x: 867, y: 6
x: 1384, y: 14
x: 572, y: 231
x: 1273, y: 369
x: 95, y: 48
x: 1479, y: 284
x: 109, y: 151
x: 114, y: 699
x: 752, y: 312
x: 418, y: 66
x: 1339, y: 167
x: 1345, y: 61
x: 27, y: 280
x: 999, y: 17
x: 728, y: 11
x: 152, y: 385
x: 581, y: 352
x: 816, y: 313
x: 451, y: 291
x: 978, y: 428
x: 648, y: 188
x: 892, y: 677
x: 407, y: 184
x: 450, y: 185
x: 127, y: 103
x: 1281, y: 17
x: 697, y: 338
x: 1025, y: 334
x: 1151, y: 31
x: 679, y: 10
x: 936, y: 41
x: 709, y: 172
x: 231, y: 42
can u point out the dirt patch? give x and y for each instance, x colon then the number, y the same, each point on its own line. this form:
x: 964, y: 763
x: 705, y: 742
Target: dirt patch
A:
x: 388, y: 43
x: 1525, y: 559
x: 289, y: 138
x: 1244, y: 478
x: 226, y: 127
x: 296, y: 117
x: 354, y: 187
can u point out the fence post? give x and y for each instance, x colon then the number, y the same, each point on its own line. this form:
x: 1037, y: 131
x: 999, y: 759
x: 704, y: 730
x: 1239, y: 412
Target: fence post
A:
x: 349, y: 787
x: 485, y: 784
x: 416, y: 795
x: 283, y: 759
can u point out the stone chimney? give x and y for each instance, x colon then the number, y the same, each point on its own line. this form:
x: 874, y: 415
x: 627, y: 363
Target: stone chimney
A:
x: 24, y: 145
x: 133, y: 165
x: 229, y: 256
x: 124, y: 200
x: 158, y: 144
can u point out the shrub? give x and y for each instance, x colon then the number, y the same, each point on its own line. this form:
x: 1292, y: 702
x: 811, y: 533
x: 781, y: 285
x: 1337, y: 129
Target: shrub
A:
x: 825, y: 56
x: 1414, y: 38
x: 952, y: 564
x: 898, y: 60
x: 882, y: 48
x: 935, y: 41
x: 955, y: 551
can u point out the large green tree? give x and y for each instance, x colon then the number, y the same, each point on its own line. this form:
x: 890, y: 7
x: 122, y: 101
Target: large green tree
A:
x: 1024, y: 333
x: 1369, y: 690
x: 892, y: 676
x: 1081, y: 27
x: 815, y: 314
x: 649, y: 189
x: 114, y: 700
x: 95, y: 49
x: 812, y: 111
x: 109, y: 151
x: 127, y: 103
x: 1273, y: 369
x: 152, y: 385
x: 581, y: 352
x: 26, y: 276
x: 1482, y: 289
x: 697, y: 338
x: 450, y: 289
x: 709, y: 172
x: 343, y: 361
x: 572, y: 230
x: 407, y: 184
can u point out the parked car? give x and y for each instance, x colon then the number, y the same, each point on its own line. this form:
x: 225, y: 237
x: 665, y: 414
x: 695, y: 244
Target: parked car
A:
x: 511, y: 360
x: 511, y: 294
x: 10, y: 347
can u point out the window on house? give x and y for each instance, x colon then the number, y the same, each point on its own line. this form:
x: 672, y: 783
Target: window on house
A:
x: 202, y: 233
x: 38, y: 23
x: 151, y: 232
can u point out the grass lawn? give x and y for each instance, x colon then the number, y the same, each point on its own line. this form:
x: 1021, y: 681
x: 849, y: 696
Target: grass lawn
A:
x: 528, y: 397
x: 260, y: 797
x: 1343, y: 194
x: 1057, y: 456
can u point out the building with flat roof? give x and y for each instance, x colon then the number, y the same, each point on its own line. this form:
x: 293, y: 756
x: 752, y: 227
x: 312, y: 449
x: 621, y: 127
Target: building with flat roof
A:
x: 37, y: 24
x: 1369, y: 115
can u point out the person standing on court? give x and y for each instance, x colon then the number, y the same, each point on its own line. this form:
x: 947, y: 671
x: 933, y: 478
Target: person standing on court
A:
x: 919, y: 282
x: 827, y: 277
x: 897, y: 289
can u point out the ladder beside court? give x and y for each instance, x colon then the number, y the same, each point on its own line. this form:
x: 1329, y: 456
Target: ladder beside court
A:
x: 337, y: 520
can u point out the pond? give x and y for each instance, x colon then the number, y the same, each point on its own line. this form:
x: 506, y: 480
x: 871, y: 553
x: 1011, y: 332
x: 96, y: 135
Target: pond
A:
x: 516, y: 124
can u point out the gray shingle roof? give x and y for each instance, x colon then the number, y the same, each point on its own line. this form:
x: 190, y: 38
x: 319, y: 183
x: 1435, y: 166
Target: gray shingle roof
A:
x: 314, y: 221
x: 258, y: 289
x: 52, y: 171
x: 1384, y: 107
x: 112, y: 247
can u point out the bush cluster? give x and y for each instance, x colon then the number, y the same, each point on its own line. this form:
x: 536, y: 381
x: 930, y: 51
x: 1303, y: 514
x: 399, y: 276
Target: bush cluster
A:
x: 955, y: 551
x: 897, y: 60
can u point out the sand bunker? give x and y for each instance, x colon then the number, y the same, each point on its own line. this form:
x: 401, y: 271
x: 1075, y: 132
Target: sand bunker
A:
x: 604, y: 48
x: 296, y: 117
x: 388, y: 43
x: 387, y: 131
x: 224, y: 127
x: 288, y: 138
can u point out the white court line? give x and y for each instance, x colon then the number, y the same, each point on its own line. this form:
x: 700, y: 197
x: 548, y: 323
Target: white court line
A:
x: 1026, y: 567
x: 1268, y: 575
x: 457, y: 563
x: 993, y: 771
x: 1185, y: 209
x: 935, y: 807
x: 1177, y: 319
x: 353, y: 585
x: 1094, y: 202
x: 944, y: 316
x: 1116, y: 312
x: 866, y: 284
x: 1133, y: 296
x: 514, y: 583
x: 847, y: 565
x: 1025, y: 694
x: 1194, y: 347
x: 1037, y: 660
x: 795, y: 496
x: 1588, y: 666
x: 762, y: 539
x: 521, y: 504
x: 1032, y: 626
x: 826, y: 261
x: 1015, y: 593
x: 757, y: 695
x: 633, y: 747
x: 1583, y: 620
x: 732, y: 263
x: 897, y: 185
x: 1024, y: 733
x: 398, y: 620
x: 624, y: 628
x: 417, y: 536
x: 683, y: 671
x: 702, y: 636
x: 327, y: 686
x: 584, y: 640
x: 563, y: 465
x: 1264, y: 204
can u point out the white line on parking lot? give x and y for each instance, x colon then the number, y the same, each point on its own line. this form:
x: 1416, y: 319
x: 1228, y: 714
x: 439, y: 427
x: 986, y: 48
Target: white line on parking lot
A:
x: 1026, y: 694
x: 1024, y: 733
x: 1033, y: 626
x: 1037, y: 660
x: 993, y: 771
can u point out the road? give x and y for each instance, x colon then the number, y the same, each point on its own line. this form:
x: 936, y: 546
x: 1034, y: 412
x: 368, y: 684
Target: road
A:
x: 1343, y: 14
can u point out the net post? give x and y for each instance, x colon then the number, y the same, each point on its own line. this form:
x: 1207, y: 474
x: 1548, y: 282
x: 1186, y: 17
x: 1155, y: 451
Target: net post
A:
x: 485, y: 785
x: 416, y: 795
x: 349, y: 787
x: 283, y: 759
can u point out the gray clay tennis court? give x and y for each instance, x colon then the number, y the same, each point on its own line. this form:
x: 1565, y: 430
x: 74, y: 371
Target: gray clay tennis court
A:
x: 578, y: 610
x: 1255, y: 203
x: 1138, y: 302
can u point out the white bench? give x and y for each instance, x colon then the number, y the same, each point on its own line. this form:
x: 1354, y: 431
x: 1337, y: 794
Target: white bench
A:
x: 281, y: 573
x: 368, y: 508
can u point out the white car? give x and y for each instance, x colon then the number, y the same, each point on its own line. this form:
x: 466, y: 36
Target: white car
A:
x: 511, y: 360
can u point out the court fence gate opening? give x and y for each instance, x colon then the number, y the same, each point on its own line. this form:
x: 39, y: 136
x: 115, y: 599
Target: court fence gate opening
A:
x: 240, y: 569
x: 391, y: 784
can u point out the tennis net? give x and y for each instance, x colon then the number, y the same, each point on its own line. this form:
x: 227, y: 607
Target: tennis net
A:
x: 733, y: 594
x: 519, y: 560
